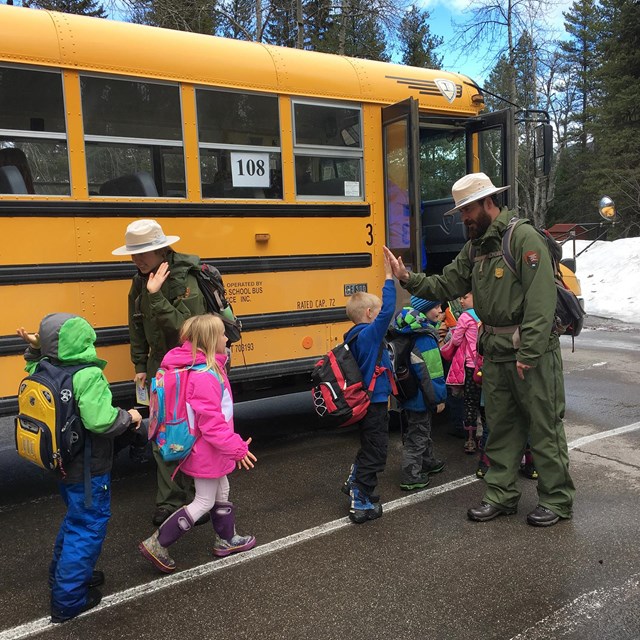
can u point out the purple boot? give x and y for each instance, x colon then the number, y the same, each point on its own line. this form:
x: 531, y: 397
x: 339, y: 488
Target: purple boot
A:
x: 172, y: 529
x: 224, y: 524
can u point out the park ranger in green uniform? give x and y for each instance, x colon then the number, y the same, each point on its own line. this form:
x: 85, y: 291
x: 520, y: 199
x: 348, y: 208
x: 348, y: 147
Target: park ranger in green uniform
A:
x: 163, y: 294
x: 522, y: 372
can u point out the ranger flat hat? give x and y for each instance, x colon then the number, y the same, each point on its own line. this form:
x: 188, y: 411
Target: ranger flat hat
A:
x: 142, y: 236
x: 472, y: 187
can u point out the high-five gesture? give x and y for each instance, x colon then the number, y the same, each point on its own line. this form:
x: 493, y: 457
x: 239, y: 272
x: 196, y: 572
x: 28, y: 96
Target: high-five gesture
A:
x: 397, y: 266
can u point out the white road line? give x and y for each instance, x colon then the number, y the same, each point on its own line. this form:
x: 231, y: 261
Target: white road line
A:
x: 587, y: 606
x: 580, y: 442
x: 42, y: 624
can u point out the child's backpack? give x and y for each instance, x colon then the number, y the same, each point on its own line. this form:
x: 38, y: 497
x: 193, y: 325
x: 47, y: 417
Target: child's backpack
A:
x: 569, y: 313
x: 48, y: 429
x: 400, y: 347
x: 212, y: 288
x: 340, y: 395
x: 171, y: 419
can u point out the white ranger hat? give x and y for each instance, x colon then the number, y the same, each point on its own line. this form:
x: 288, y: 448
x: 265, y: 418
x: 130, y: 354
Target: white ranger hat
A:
x: 142, y: 236
x: 472, y: 187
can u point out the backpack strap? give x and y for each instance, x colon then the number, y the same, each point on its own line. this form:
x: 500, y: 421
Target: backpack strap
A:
x: 507, y: 253
x: 377, y: 369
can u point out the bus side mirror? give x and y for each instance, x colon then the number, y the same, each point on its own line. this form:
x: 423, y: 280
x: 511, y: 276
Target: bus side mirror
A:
x: 607, y: 208
x: 543, y: 149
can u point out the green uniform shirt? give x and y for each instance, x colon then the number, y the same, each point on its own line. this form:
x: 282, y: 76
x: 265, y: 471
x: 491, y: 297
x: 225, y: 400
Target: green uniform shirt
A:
x: 500, y: 298
x: 155, y: 319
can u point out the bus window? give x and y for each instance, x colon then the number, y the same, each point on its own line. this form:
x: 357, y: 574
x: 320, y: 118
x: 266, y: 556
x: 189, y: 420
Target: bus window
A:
x: 490, y: 154
x: 442, y: 161
x: 328, y: 151
x: 239, y: 140
x: 130, y: 126
x: 34, y: 128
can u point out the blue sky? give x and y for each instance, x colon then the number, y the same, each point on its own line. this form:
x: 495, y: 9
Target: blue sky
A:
x: 473, y: 63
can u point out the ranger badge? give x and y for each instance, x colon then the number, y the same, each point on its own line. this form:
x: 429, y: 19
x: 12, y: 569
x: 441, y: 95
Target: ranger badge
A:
x: 499, y: 272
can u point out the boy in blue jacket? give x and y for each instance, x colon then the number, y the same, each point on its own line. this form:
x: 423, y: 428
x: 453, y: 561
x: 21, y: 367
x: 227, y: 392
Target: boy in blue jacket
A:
x: 371, y: 318
x: 418, y: 459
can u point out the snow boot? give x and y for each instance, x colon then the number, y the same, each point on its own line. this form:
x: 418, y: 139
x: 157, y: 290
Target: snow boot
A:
x: 470, y: 443
x: 228, y: 541
x: 171, y: 530
x: 362, y: 508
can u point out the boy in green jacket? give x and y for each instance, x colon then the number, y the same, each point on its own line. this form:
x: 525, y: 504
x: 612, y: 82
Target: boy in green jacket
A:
x: 65, y: 340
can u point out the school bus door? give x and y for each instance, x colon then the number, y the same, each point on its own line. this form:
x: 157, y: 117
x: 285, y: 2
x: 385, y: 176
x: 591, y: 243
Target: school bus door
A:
x: 401, y: 144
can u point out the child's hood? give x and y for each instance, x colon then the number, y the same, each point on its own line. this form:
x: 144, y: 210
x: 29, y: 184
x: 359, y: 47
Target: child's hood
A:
x: 182, y: 356
x: 69, y: 339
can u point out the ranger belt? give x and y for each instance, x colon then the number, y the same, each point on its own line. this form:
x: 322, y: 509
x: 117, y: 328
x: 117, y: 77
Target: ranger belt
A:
x: 513, y: 330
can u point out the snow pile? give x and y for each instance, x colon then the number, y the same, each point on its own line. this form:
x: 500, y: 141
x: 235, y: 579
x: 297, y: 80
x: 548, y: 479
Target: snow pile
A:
x: 609, y: 274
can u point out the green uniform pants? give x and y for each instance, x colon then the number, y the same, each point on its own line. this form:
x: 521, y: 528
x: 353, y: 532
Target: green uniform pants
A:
x: 532, y: 408
x: 172, y: 494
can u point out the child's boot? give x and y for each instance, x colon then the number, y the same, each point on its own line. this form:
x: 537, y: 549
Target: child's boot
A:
x: 348, y: 483
x: 470, y: 442
x: 172, y: 529
x: 362, y: 509
x: 346, y: 487
x: 527, y: 468
x: 224, y: 524
x: 483, y: 465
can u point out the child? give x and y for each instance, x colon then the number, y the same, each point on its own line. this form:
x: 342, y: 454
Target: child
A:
x: 65, y: 339
x: 217, y: 448
x: 371, y: 318
x: 418, y: 460
x: 462, y: 351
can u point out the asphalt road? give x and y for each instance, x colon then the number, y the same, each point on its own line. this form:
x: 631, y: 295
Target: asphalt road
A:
x: 422, y: 571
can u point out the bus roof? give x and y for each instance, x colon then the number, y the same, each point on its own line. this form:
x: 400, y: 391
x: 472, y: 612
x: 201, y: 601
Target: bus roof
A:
x: 66, y: 41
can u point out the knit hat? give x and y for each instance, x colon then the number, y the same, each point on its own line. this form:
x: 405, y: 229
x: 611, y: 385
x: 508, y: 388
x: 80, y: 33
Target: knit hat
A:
x: 420, y: 304
x: 409, y: 319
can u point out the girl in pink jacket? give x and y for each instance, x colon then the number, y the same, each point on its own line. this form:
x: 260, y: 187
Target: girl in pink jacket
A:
x: 217, y: 450
x: 462, y: 350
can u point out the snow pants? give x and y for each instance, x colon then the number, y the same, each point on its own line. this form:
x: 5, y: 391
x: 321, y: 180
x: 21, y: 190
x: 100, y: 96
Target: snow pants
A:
x: 78, y: 544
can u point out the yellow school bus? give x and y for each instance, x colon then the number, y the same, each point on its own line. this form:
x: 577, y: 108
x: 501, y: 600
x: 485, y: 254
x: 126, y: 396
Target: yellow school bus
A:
x: 288, y: 170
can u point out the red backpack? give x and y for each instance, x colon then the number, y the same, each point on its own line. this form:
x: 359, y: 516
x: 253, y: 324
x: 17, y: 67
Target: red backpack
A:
x: 340, y: 395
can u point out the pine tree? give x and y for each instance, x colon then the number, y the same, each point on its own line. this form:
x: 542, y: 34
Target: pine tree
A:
x: 237, y: 19
x: 583, y: 23
x: 318, y: 25
x: 417, y: 43
x: 617, y: 117
x: 282, y: 28
x: 79, y: 7
x: 197, y: 16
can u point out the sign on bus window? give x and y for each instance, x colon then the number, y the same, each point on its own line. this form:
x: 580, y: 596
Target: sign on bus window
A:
x: 249, y: 169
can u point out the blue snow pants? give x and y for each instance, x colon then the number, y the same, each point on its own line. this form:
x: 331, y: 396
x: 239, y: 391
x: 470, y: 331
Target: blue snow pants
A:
x: 78, y: 544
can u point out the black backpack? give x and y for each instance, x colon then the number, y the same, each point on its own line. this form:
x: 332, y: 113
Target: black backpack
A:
x: 569, y: 312
x: 400, y: 347
x: 212, y: 288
